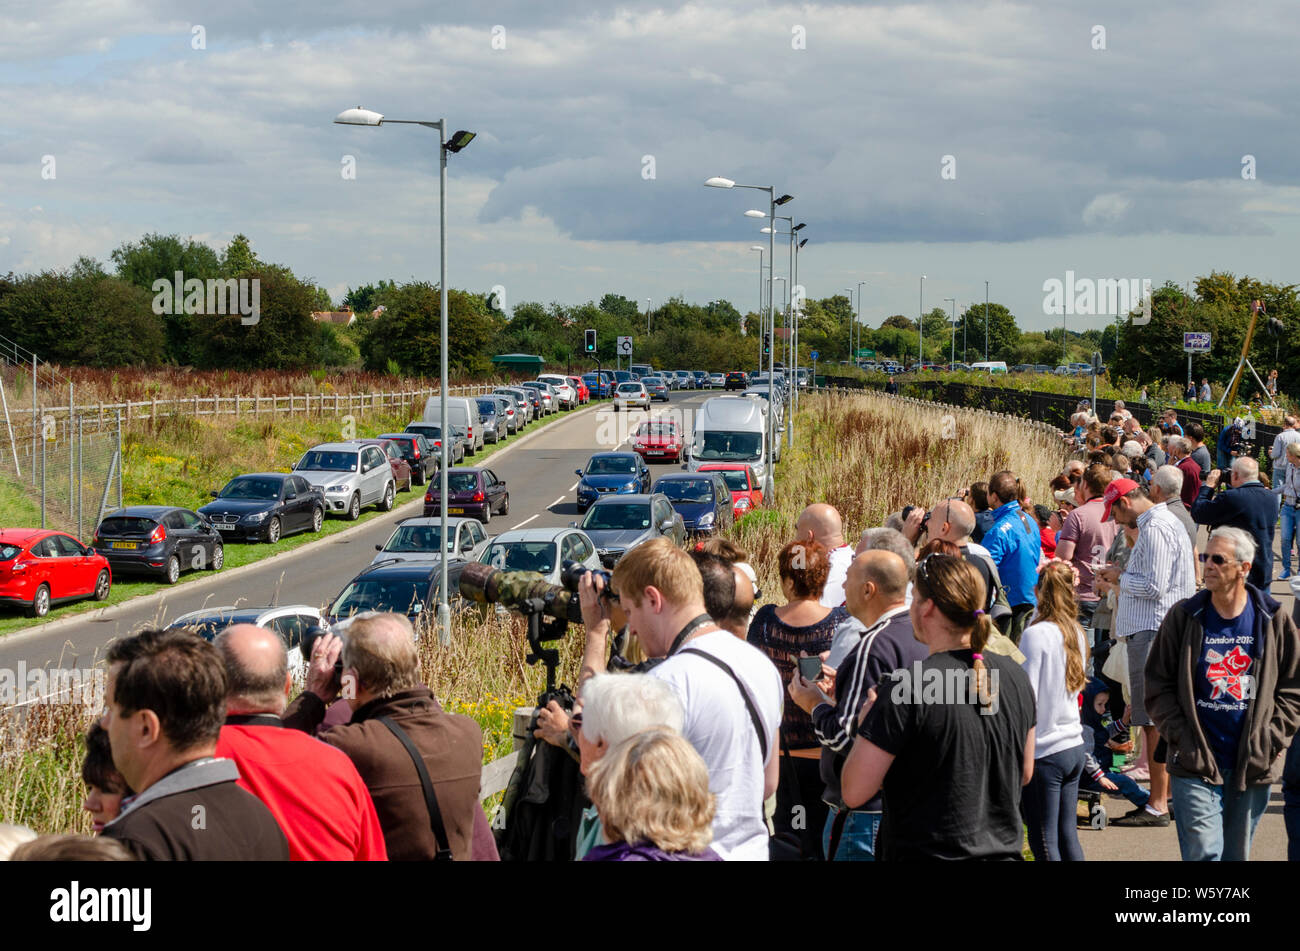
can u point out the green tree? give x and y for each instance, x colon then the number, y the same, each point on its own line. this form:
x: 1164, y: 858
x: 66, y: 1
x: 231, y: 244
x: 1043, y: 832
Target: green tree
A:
x: 408, y: 332
x: 616, y: 305
x: 899, y: 321
x: 367, y: 297
x: 284, y: 336
x: 239, y: 258
x: 158, y: 257
x: 1003, y: 333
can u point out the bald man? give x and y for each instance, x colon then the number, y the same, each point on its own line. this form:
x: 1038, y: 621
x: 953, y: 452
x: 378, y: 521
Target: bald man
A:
x: 314, y: 791
x: 821, y: 523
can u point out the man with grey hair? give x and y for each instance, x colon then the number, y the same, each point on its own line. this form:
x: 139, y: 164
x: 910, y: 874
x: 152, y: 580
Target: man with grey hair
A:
x: 312, y: 789
x: 1223, y: 687
x: 1166, y: 489
x: 849, y: 631
x: 1248, y: 505
x: 1286, y: 437
x: 390, y: 708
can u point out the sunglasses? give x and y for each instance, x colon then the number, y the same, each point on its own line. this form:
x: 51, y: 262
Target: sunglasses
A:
x: 1216, y: 559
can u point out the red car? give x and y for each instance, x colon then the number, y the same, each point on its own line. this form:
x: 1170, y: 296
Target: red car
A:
x: 746, y: 490
x: 402, y: 473
x: 39, y: 568
x: 659, y: 440
x: 584, y: 391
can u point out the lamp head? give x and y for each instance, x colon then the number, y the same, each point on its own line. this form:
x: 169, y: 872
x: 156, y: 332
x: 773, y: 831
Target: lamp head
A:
x: 717, y: 182
x: 459, y: 140
x: 358, y: 116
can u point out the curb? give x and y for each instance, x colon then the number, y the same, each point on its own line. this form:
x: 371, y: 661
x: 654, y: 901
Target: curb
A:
x: 199, y: 583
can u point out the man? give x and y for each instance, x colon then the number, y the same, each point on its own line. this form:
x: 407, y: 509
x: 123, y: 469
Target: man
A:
x: 733, y: 697
x: 165, y: 703
x: 952, y: 520
x: 1166, y: 489
x: 874, y: 594
x: 891, y: 387
x: 381, y: 681
x: 312, y: 789
x: 1015, y: 548
x: 1131, y: 428
x: 821, y: 523
x: 1288, y: 435
x: 849, y: 631
x: 1169, y: 424
x: 1206, y: 393
x: 1228, y: 446
x: 1158, y: 575
x: 1196, y: 444
x: 1086, y: 537
x: 728, y: 594
x: 1180, y: 456
x: 1248, y: 506
x: 1223, y: 685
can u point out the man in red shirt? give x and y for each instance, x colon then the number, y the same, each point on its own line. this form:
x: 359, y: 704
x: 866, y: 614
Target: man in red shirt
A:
x: 1180, y: 453
x: 313, y: 790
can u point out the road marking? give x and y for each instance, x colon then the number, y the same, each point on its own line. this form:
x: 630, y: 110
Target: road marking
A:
x: 556, y: 502
x: 525, y: 522
x: 572, y: 487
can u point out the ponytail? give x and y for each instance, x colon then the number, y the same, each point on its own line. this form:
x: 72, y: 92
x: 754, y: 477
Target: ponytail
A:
x: 979, y: 637
x: 957, y: 590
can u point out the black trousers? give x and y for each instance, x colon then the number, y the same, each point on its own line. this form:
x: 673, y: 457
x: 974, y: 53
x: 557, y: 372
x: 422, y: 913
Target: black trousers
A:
x: 800, y: 810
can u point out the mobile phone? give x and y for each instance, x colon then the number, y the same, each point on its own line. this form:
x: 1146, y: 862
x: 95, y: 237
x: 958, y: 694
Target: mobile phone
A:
x: 810, y: 668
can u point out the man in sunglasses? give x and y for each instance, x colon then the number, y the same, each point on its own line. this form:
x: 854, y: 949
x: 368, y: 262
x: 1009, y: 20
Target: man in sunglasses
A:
x: 1223, y: 686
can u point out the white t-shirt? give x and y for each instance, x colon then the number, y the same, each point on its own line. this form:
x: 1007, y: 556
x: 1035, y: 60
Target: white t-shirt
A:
x: 833, y: 593
x: 1058, y: 727
x: 718, y: 725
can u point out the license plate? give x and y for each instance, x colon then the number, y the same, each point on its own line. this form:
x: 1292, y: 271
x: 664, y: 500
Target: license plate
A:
x: 456, y: 511
x: 128, y: 545
x: 655, y: 452
x: 222, y: 527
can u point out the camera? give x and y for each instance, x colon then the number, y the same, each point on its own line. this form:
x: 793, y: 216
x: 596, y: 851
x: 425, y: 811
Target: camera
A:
x: 312, y: 635
x: 527, y: 592
x: 925, y: 521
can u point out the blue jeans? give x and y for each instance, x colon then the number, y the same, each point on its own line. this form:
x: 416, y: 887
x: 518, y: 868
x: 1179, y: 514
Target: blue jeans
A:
x: 857, y: 840
x: 1216, y: 823
x: 1291, y: 800
x: 1127, y: 788
x: 1049, y: 803
x: 1288, y: 534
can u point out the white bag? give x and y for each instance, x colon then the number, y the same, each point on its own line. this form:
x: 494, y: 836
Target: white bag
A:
x: 1116, y: 666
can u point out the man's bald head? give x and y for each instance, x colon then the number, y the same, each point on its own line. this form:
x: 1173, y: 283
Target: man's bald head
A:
x: 886, y: 571
x: 257, y: 669
x: 823, y: 522
x: 737, y: 619
x: 960, y: 519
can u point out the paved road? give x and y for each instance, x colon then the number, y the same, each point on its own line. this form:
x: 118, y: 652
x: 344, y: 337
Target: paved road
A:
x: 539, y: 472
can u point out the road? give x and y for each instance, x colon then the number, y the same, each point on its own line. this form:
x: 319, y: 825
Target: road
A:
x: 538, y: 471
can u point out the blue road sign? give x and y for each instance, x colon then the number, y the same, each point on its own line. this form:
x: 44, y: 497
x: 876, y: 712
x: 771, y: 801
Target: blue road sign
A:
x: 814, y: 354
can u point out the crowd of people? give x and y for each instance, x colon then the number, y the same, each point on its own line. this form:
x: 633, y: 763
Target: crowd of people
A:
x: 952, y: 677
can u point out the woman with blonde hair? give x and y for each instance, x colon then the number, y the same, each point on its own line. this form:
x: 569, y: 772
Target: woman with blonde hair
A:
x: 1056, y: 656
x: 652, y: 794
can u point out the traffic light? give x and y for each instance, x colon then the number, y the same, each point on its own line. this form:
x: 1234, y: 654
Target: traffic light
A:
x: 767, y: 344
x: 591, y: 341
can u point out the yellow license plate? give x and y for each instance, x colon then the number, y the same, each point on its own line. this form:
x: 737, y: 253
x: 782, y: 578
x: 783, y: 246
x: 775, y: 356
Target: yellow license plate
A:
x: 456, y: 511
x: 128, y: 545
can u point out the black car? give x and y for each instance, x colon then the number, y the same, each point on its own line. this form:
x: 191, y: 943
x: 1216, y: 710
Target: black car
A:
x: 701, y: 498
x: 403, y: 587
x: 419, y: 454
x: 737, y: 380
x: 158, y: 539
x: 432, y: 433
x: 264, y: 506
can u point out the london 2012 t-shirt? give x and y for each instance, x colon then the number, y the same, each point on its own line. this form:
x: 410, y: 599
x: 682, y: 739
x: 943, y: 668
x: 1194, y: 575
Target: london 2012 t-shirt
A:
x: 1224, y: 680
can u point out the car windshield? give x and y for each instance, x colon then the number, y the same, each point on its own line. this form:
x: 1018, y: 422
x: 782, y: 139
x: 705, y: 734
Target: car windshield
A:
x: 611, y: 465
x: 9, y: 552
x: 657, y: 429
x: 126, y: 525
x: 411, y: 538
x: 399, y: 595
x: 462, y: 481
x: 686, y: 490
x: 487, y: 407
x: 252, y: 488
x: 321, y: 461
x: 735, y: 479
x: 617, y: 517
x: 521, y: 556
x: 428, y: 431
x: 721, y: 445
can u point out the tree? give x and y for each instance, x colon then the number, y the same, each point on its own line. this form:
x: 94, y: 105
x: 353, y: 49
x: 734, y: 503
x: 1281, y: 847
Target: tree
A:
x: 616, y: 305
x: 284, y: 336
x: 367, y: 297
x: 409, y: 334
x: 158, y: 257
x: 1004, y: 335
x: 899, y: 321
x: 239, y: 258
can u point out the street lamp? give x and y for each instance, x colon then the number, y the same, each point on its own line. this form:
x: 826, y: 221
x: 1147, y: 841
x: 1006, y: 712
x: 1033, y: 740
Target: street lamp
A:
x: 986, y: 321
x: 853, y: 320
x: 458, y: 141
x: 857, y: 317
x: 920, y: 323
x: 953, y: 357
x: 760, y: 249
x: 647, y: 316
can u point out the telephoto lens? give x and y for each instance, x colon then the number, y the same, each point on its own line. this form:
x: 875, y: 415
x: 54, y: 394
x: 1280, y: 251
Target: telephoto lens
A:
x: 488, y: 585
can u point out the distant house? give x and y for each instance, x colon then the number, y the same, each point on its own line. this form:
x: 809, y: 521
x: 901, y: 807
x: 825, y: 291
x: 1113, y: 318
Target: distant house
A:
x: 344, y: 318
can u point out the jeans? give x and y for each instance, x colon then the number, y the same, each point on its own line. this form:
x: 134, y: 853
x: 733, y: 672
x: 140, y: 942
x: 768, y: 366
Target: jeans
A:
x: 1291, y: 800
x: 1049, y: 803
x: 1127, y: 788
x: 858, y: 838
x: 1288, y: 534
x: 1216, y: 823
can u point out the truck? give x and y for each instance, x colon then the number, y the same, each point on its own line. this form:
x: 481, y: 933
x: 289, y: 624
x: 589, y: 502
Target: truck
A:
x: 730, y: 429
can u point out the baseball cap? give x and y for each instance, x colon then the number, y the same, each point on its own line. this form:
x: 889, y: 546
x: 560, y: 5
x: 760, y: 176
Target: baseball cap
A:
x: 1113, y: 491
x: 1064, y: 496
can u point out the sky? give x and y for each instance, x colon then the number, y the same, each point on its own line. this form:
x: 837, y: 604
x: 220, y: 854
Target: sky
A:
x: 967, y: 142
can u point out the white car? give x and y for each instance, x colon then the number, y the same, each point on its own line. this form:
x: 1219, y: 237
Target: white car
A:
x: 717, y: 381
x: 350, y: 477
x: 290, y: 621
x: 416, y: 539
x: 563, y: 389
x: 629, y: 395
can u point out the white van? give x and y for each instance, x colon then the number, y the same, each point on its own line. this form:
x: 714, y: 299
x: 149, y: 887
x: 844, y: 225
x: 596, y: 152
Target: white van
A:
x: 730, y: 429
x: 464, y: 415
x: 990, y: 366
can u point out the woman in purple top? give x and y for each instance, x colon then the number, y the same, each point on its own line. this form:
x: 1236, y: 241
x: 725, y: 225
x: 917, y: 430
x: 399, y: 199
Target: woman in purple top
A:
x: 652, y: 794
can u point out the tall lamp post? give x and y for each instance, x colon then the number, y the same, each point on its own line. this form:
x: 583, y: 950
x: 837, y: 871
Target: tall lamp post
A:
x: 857, y: 316
x: 761, y: 250
x: 791, y: 320
x: 986, y: 321
x: 920, y: 323
x: 458, y: 141
x: 853, y: 328
x: 953, y: 311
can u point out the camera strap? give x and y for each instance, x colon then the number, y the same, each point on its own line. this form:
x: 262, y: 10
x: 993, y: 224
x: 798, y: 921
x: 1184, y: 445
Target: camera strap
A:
x: 693, y: 625
x: 430, y: 797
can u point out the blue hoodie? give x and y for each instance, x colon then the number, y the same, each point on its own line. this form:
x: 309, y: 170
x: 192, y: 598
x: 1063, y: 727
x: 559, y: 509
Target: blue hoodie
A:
x: 1015, y: 549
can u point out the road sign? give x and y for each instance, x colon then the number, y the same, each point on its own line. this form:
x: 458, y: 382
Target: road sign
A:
x: 1196, y: 341
x: 625, y: 346
x: 864, y: 352
x: 814, y: 354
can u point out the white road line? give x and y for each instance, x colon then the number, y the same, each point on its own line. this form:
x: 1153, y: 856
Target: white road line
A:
x: 572, y: 487
x: 525, y: 522
x: 556, y: 502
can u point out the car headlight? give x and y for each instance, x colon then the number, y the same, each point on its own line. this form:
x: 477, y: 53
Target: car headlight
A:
x: 256, y: 517
x: 705, y: 520
x: 341, y: 487
x: 630, y: 487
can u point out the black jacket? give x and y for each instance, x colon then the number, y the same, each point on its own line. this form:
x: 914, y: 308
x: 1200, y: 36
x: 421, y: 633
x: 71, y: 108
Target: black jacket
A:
x: 1250, y: 507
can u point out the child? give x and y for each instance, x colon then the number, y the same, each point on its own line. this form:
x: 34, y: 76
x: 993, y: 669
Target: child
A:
x: 1107, y: 738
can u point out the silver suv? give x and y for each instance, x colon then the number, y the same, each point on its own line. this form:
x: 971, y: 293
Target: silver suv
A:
x: 350, y: 476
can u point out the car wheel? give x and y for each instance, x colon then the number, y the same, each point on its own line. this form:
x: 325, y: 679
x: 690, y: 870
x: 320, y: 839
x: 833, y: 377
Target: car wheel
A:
x: 218, y: 556
x: 387, y: 504
x: 273, y: 530
x: 409, y: 478
x: 172, y: 573
x: 102, y: 585
x: 505, y: 506
x: 487, y: 513
x: 317, y: 519
x: 354, y: 509
x: 41, y: 602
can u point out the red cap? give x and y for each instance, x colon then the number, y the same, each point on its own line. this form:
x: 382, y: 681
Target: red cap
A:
x: 1115, y: 490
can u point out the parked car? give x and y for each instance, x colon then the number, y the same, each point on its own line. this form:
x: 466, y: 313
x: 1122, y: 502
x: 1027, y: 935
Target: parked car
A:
x: 599, y: 385
x: 462, y: 417
x: 657, y: 387
x: 420, y: 454
x: 523, y: 402
x: 701, y: 379
x: 629, y: 395
x: 494, y: 424
x: 162, y: 540
x: 350, y: 476
x: 702, y: 499
x: 432, y: 434
x: 543, y: 550
x: 617, y: 524
x: 686, y: 379
x: 743, y: 483
x: 470, y: 491
x: 659, y: 440
x: 40, y: 568
x: 508, y: 411
x: 417, y: 539
x: 403, y: 587
x: 625, y: 376
x: 550, y: 402
x: 290, y: 621
x: 616, y: 472
x: 580, y: 386
x: 263, y: 506
x: 564, y: 391
x: 402, y: 477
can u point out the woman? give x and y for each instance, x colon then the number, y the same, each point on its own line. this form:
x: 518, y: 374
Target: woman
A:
x: 1289, y: 483
x: 950, y: 743
x: 652, y: 794
x: 1271, y: 385
x: 105, y: 787
x: 1055, y: 657
x: 1049, y: 524
x: 802, y: 624
x: 1155, y: 452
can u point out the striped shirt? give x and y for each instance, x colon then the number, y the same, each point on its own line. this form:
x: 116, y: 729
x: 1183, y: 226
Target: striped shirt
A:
x: 1159, y: 574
